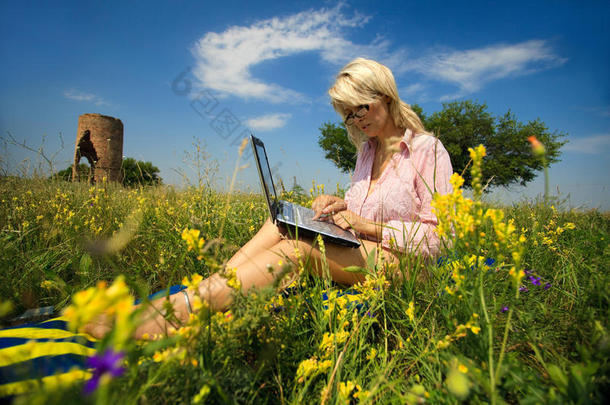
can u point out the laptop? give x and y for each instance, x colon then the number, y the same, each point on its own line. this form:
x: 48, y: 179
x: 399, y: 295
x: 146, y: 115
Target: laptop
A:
x: 293, y: 216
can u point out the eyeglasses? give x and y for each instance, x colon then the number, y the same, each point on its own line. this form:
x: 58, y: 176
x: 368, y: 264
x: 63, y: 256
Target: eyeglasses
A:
x: 362, y: 111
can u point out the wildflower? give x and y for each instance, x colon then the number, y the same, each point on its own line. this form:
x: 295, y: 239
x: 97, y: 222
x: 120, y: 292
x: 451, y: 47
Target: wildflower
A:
x: 193, y: 283
x: 203, y: 393
x: 371, y: 354
x: 105, y: 365
x: 462, y: 368
x: 411, y: 311
x: 537, y: 146
x: 114, y: 301
x: 458, y: 384
x: 6, y: 307
x: 345, y: 389
x: 232, y: 279
x: 193, y: 241
x: 361, y: 394
x: 312, y: 367
x: 523, y: 289
x: 504, y: 309
x: 547, y: 286
x: 535, y: 280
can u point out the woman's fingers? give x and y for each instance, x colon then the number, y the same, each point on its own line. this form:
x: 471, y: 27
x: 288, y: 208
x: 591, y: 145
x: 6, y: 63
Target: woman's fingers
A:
x: 320, y: 204
x: 336, y: 206
x: 343, y: 219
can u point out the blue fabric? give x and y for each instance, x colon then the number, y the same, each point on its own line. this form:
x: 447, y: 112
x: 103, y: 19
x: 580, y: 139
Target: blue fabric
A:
x: 24, y: 368
x: 172, y: 290
x: 14, y: 341
x: 41, y: 367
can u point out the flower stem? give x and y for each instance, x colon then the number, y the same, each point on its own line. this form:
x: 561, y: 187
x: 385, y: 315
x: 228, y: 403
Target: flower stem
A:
x: 505, y: 338
x: 492, y: 379
x: 546, y: 181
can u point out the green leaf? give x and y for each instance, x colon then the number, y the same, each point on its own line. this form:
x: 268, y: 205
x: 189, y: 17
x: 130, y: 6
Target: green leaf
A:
x: 355, y: 269
x: 370, y: 259
x: 558, y: 377
x: 85, y: 263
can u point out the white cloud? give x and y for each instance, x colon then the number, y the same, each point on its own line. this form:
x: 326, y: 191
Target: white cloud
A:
x: 596, y: 144
x: 471, y: 69
x: 413, y: 89
x: 268, y: 122
x: 82, y: 96
x: 224, y: 60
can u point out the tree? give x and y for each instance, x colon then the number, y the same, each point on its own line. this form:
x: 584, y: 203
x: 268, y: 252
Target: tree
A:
x: 338, y: 148
x: 464, y: 124
x: 137, y: 173
x: 461, y: 125
x: 83, y: 169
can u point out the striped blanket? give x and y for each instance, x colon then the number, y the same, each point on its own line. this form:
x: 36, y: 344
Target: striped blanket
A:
x: 43, y: 353
x: 49, y: 354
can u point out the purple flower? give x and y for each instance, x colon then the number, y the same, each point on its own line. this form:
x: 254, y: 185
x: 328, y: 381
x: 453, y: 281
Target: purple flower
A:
x: 523, y: 289
x: 547, y: 286
x: 527, y: 272
x: 535, y: 280
x: 504, y: 309
x: 107, y: 363
x: 490, y: 261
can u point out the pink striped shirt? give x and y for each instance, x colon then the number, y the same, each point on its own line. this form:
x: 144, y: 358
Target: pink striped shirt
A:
x: 400, y: 199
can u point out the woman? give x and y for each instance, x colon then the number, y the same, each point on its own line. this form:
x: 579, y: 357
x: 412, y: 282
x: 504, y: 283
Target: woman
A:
x: 399, y: 167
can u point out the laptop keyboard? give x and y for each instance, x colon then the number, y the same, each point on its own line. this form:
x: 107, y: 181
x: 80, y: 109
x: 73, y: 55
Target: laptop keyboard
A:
x: 303, y: 216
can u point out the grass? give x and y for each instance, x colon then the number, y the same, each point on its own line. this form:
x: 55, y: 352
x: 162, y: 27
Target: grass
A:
x: 440, y: 340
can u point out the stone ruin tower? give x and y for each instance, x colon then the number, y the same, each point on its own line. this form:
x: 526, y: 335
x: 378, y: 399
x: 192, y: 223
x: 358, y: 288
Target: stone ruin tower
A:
x: 99, y: 138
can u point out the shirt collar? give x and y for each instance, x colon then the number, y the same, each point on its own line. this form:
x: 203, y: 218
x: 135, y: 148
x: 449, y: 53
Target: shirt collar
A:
x: 407, y: 140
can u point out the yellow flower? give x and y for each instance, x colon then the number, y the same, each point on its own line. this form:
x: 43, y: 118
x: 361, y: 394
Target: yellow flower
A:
x: 411, y: 311
x: 192, y: 283
x: 463, y: 368
x: 114, y: 301
x: 371, y: 354
x: 193, y: 241
x: 203, y: 393
x: 232, y: 279
x: 345, y: 389
x: 311, y: 367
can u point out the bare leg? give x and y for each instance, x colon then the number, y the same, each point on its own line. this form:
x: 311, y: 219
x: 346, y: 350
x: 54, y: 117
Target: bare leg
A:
x: 254, y: 272
x: 267, y: 237
x: 251, y: 262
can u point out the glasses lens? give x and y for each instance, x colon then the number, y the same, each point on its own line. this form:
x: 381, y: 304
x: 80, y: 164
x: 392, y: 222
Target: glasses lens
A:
x: 359, y: 114
x: 362, y: 112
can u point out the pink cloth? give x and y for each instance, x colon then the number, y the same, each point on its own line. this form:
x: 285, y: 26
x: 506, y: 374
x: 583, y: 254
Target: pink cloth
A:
x: 400, y: 198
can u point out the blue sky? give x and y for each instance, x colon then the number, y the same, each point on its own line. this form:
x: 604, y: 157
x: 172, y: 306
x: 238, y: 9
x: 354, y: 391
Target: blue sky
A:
x: 266, y: 66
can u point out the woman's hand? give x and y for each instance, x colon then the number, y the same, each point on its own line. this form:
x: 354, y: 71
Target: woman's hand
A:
x: 347, y: 219
x: 327, y: 205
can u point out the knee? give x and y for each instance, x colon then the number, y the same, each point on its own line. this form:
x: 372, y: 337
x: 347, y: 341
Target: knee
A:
x: 293, y: 247
x: 269, y: 226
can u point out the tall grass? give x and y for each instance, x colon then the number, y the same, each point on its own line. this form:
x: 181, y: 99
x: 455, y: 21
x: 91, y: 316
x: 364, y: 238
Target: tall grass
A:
x: 437, y: 338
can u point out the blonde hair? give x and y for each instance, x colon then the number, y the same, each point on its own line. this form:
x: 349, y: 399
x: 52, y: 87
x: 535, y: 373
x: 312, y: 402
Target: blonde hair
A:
x: 361, y: 82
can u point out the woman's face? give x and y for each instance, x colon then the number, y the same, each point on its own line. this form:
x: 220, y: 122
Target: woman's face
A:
x: 376, y: 121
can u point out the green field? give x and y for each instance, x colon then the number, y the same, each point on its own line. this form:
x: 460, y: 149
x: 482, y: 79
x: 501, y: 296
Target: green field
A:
x: 468, y: 327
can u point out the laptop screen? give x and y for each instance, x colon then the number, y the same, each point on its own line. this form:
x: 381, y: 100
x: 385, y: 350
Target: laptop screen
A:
x: 265, y: 172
